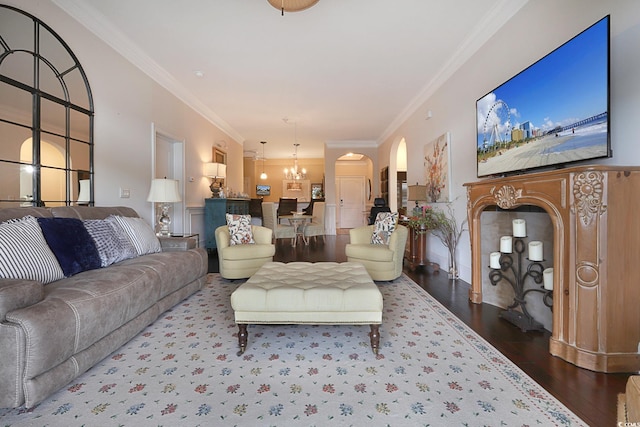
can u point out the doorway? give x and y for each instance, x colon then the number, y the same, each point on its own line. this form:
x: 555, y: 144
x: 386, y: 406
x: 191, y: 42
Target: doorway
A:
x: 168, y: 162
x: 351, y: 199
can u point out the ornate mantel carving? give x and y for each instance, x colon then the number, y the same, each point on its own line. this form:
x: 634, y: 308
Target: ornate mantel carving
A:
x: 596, y: 320
x: 506, y: 196
x: 588, y: 190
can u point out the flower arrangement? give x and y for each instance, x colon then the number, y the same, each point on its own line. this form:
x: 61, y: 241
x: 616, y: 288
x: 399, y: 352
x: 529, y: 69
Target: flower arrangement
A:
x: 425, y: 221
x: 444, y: 226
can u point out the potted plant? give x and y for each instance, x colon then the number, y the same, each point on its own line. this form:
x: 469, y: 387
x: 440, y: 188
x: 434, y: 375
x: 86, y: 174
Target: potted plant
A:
x: 424, y: 222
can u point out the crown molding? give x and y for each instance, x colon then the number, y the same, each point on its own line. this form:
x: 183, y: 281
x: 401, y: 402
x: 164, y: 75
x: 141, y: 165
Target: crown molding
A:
x: 481, y: 33
x: 93, y: 21
x: 355, y: 143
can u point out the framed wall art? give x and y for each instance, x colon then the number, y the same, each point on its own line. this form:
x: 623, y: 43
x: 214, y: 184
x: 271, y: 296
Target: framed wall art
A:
x: 297, y: 189
x: 437, y: 169
x: 219, y: 156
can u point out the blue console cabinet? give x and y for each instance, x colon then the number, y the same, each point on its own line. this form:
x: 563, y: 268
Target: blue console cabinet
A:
x: 214, y: 215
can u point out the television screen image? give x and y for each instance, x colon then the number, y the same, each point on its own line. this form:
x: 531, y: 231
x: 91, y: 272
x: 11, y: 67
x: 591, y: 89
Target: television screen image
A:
x: 263, y: 190
x: 554, y: 112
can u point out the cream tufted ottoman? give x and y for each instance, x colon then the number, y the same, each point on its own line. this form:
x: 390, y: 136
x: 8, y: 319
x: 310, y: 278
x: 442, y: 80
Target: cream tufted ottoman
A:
x: 302, y: 292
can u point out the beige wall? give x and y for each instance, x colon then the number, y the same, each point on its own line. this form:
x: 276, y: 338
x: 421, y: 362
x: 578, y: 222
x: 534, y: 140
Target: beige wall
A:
x: 274, y: 169
x: 537, y: 29
x: 127, y: 103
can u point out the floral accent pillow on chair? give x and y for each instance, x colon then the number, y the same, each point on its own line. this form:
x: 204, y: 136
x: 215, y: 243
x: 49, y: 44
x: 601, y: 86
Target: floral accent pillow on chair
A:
x: 240, y: 229
x: 384, y: 226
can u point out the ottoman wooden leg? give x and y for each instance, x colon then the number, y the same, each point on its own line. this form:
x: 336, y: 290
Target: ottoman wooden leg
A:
x: 375, y: 338
x: 242, y: 337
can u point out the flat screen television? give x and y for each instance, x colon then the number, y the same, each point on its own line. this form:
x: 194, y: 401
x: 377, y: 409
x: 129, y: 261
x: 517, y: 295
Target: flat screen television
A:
x: 553, y: 113
x: 263, y: 190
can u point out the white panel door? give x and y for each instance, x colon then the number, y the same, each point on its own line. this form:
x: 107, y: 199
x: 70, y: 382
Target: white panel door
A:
x: 350, y: 192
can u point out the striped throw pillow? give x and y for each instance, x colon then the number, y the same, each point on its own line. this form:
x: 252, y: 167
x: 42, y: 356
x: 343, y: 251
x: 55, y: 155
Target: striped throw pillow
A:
x: 139, y: 232
x: 24, y: 253
x: 111, y: 240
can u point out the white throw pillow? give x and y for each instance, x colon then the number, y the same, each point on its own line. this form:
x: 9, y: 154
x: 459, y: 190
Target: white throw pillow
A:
x: 140, y: 233
x: 384, y: 226
x: 240, y: 229
x: 24, y: 253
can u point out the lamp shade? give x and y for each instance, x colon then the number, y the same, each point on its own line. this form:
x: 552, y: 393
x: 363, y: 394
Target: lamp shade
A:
x: 417, y: 193
x: 292, y: 5
x: 164, y: 190
x: 84, y: 195
x: 215, y: 170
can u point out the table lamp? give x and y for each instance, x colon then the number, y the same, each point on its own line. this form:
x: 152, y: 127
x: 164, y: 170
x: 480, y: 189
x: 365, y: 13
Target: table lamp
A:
x: 164, y: 191
x: 217, y: 171
x: 419, y: 194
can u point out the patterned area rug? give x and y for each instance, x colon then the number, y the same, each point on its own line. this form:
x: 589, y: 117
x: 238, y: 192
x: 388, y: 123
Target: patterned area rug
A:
x: 183, y: 371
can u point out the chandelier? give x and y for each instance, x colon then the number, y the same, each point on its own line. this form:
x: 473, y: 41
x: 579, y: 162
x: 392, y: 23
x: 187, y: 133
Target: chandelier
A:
x: 292, y: 5
x: 294, y: 172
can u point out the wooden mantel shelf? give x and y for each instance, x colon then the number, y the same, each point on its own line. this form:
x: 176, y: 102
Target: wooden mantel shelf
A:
x: 595, y: 212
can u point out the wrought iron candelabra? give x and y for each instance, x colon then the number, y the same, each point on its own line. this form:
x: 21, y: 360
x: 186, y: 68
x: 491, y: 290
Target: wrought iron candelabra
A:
x: 521, y: 318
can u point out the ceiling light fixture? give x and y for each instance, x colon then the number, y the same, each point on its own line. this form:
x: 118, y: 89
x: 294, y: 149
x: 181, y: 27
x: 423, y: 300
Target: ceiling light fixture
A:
x: 292, y: 5
x: 263, y: 175
x: 294, y: 173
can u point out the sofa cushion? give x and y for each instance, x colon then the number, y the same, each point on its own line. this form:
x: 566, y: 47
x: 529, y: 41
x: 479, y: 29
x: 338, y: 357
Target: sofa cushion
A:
x: 111, y: 241
x: 239, y: 229
x: 24, y: 253
x: 71, y: 244
x: 139, y: 233
x: 385, y: 225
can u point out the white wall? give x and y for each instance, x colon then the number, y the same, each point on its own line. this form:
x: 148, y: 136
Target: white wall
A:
x: 537, y: 29
x: 126, y: 103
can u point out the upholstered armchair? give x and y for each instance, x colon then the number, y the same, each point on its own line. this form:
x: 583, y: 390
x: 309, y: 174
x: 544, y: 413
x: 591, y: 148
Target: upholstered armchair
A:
x: 315, y: 228
x: 383, y: 262
x: 242, y: 261
x: 270, y: 220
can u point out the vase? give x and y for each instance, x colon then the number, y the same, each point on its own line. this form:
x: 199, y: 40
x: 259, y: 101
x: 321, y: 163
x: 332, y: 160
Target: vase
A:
x: 453, y: 265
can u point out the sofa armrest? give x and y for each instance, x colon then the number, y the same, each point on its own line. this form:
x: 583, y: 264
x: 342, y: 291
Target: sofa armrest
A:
x: 18, y: 293
x: 361, y: 235
x: 177, y: 244
x: 223, y: 238
x: 262, y: 235
x: 398, y: 240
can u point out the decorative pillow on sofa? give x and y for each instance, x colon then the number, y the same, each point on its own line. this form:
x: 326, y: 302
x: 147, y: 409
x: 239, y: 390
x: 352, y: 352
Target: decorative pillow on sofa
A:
x: 383, y: 228
x: 240, y: 229
x: 139, y: 233
x: 24, y: 254
x: 111, y: 241
x: 71, y: 244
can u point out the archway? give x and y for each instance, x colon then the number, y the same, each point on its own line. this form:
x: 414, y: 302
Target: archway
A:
x: 398, y: 174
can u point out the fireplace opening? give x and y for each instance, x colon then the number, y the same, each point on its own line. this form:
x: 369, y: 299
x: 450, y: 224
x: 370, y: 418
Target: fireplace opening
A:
x: 496, y: 223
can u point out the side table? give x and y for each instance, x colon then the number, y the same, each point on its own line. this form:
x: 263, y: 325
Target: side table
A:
x: 179, y: 242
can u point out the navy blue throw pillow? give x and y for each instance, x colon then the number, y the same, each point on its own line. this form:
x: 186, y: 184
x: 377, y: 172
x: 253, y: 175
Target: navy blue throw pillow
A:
x: 71, y: 243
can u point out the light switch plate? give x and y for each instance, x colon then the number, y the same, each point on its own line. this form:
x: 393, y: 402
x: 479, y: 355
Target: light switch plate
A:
x: 125, y: 193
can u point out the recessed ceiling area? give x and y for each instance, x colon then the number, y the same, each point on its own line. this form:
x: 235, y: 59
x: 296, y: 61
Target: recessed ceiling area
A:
x: 345, y: 70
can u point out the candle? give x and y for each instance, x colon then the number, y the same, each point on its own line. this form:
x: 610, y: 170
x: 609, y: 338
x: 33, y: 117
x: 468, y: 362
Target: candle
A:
x: 505, y: 244
x: 519, y: 228
x: 494, y: 260
x: 535, y: 251
x: 547, y: 275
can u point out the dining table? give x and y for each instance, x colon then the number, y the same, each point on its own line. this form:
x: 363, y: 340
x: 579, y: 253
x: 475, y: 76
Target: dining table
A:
x: 298, y: 221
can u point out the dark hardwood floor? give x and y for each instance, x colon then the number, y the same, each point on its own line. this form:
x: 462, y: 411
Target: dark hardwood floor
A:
x: 590, y: 395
